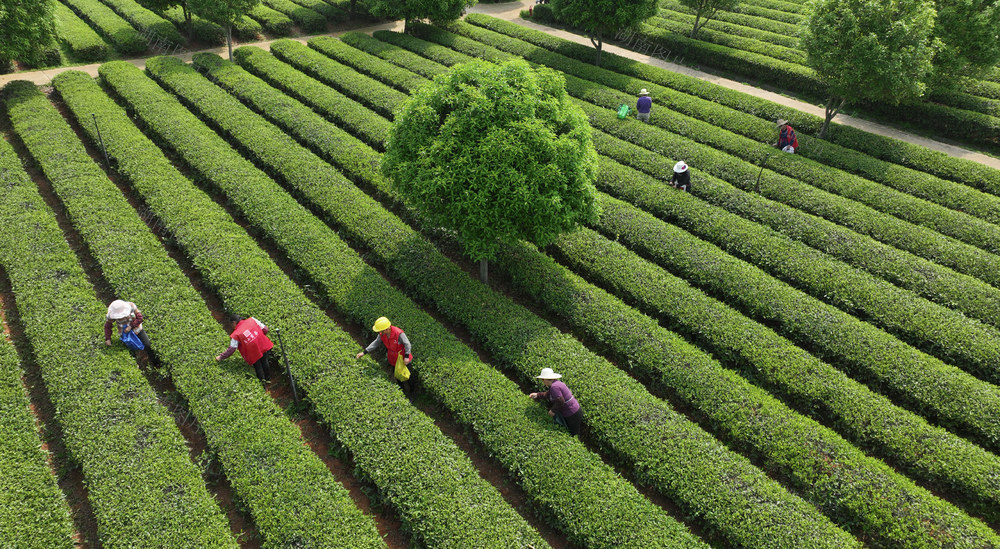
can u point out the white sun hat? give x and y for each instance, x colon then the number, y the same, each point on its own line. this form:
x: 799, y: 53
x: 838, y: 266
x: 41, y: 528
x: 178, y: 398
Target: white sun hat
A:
x: 680, y: 167
x: 119, y: 309
x: 547, y: 373
x: 643, y: 91
x: 781, y: 122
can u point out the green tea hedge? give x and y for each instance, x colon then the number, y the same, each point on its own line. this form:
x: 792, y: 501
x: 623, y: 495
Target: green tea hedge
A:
x: 271, y: 20
x: 760, y: 125
x: 573, y: 489
x: 332, y: 104
x: 84, y: 44
x: 307, y: 19
x: 126, y: 39
x: 33, y: 511
x: 253, y: 439
x: 441, y: 498
x: 145, y: 20
x: 813, y: 460
x: 140, y: 480
x: 626, y: 420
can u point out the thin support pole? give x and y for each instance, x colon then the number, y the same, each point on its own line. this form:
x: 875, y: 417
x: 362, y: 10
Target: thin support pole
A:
x: 107, y: 162
x: 288, y: 370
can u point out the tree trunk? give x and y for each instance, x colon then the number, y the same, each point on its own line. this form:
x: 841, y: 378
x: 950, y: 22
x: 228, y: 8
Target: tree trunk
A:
x: 833, y: 106
x: 351, y: 10
x: 229, y: 40
x: 697, y: 17
x: 598, y: 41
x: 484, y: 271
x: 187, y: 20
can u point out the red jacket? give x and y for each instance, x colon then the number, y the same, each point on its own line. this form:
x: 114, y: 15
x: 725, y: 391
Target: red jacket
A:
x: 252, y: 341
x: 392, y: 345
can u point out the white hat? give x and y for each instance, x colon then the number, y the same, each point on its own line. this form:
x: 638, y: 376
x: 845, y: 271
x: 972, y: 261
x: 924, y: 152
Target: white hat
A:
x: 119, y: 309
x: 781, y: 122
x: 547, y: 373
x: 643, y: 92
x: 680, y: 167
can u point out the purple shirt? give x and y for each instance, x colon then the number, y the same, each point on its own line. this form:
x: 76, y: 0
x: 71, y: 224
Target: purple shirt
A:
x: 644, y: 103
x: 562, y: 399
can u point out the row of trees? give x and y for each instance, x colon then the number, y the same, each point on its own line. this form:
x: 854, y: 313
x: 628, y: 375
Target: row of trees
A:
x: 894, y: 51
x: 25, y: 25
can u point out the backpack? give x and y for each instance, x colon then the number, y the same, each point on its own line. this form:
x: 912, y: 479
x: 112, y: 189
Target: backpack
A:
x: 622, y: 111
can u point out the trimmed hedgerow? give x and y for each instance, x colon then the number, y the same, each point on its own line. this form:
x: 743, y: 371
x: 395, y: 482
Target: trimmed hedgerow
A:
x: 932, y: 281
x: 84, y: 44
x: 927, y: 453
x: 401, y: 79
x: 789, y: 32
x: 812, y: 459
x: 201, y: 29
x: 333, y: 105
x: 918, y: 240
x: 331, y: 13
x: 711, y: 32
x: 307, y: 19
x: 900, y: 447
x: 126, y: 39
x: 936, y: 329
x: 627, y: 421
x: 418, y: 470
x: 271, y: 20
x: 33, y: 511
x: 762, y: 12
x: 576, y: 491
x: 145, y: 20
x: 253, y: 439
x: 346, y: 80
x: 941, y: 392
x: 953, y: 223
x: 892, y: 150
x: 140, y: 480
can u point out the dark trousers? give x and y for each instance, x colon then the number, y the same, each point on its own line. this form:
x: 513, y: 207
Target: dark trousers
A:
x: 261, y: 367
x: 572, y: 422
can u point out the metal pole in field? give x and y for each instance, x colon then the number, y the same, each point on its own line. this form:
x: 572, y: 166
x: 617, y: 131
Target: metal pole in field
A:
x: 107, y: 163
x: 288, y: 370
x: 757, y: 185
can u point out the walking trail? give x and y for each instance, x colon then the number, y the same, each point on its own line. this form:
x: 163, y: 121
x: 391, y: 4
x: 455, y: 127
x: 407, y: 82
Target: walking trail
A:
x: 510, y: 11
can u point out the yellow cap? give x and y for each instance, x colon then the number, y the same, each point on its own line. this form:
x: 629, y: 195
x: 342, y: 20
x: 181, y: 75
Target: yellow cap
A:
x: 381, y: 324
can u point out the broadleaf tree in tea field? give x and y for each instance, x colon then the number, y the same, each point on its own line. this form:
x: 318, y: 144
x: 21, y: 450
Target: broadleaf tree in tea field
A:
x: 497, y: 153
x: 224, y: 13
x: 870, y: 51
x: 603, y: 18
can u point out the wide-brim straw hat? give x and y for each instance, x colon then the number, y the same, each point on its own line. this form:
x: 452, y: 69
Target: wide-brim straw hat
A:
x: 643, y: 92
x: 119, y: 309
x: 547, y: 373
x: 680, y: 167
x: 781, y: 122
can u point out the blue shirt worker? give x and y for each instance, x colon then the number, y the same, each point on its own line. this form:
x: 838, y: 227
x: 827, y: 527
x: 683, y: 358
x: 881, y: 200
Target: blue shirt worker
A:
x: 643, y: 106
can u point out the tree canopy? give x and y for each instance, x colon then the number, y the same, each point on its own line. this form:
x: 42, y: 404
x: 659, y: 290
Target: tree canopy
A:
x: 25, y: 27
x: 497, y: 153
x: 864, y: 50
x: 603, y: 18
x: 969, y: 32
x: 704, y: 10
x: 223, y: 12
x: 437, y: 11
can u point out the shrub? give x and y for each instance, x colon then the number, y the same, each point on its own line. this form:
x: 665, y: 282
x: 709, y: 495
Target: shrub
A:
x: 253, y: 439
x: 140, y: 480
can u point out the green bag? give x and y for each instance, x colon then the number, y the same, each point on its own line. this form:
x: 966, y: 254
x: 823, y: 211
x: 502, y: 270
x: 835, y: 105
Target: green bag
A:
x: 622, y: 111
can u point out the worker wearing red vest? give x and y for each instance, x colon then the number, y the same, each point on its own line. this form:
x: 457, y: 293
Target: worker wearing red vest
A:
x: 395, y: 342
x: 249, y: 337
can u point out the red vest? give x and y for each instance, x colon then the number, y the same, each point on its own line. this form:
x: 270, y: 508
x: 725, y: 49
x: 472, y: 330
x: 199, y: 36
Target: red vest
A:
x: 253, y: 342
x: 392, y: 345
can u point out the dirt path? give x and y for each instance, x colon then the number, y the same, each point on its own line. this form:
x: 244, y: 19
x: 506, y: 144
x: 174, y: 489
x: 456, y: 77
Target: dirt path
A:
x: 510, y: 11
